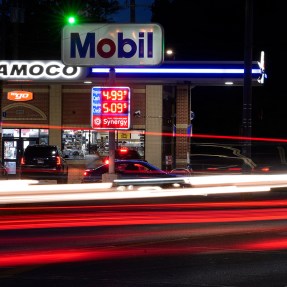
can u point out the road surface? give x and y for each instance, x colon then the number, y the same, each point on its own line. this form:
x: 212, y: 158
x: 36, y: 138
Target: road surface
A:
x: 219, y: 240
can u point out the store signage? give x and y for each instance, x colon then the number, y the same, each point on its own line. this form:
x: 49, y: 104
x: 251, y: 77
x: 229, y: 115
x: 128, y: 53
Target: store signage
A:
x: 110, y: 108
x: 124, y: 136
x: 112, y: 44
x: 39, y: 70
x: 20, y: 96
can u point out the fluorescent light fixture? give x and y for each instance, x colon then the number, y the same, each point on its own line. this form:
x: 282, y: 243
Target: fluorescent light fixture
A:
x: 229, y: 83
x: 173, y: 71
x: 261, y: 64
x: 88, y: 82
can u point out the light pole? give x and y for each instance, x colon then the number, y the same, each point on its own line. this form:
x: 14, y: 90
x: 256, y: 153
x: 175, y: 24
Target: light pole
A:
x: 247, y: 90
x: 112, y: 137
x: 170, y: 54
x: 132, y: 11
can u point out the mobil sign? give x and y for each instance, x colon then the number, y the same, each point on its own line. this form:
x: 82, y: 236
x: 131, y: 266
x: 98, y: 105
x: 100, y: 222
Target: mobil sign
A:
x: 112, y: 44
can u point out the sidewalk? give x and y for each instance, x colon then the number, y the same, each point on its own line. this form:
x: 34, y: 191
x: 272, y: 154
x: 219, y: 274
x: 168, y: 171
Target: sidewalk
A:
x: 76, y: 168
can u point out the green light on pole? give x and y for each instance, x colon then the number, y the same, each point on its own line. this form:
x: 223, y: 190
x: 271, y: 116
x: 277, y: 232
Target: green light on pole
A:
x: 71, y: 20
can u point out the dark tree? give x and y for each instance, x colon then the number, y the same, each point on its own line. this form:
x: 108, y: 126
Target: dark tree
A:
x: 33, y: 27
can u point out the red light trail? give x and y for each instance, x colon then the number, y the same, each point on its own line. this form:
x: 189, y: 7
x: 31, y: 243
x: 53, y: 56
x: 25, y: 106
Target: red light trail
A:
x: 203, y: 136
x: 98, y: 244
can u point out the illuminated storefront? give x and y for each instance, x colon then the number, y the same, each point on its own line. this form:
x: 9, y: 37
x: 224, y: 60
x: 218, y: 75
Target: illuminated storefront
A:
x: 16, y: 140
x: 78, y: 143
x: 48, y: 102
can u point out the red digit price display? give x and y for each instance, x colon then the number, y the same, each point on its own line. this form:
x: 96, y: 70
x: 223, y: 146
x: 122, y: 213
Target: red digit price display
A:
x: 119, y: 94
x: 114, y: 108
x: 110, y: 108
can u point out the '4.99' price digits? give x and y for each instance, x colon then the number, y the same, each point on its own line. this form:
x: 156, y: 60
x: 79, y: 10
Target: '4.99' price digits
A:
x: 114, y: 95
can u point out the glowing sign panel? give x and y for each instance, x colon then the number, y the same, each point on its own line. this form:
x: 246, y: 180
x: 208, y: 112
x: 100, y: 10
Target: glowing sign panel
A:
x: 106, y: 44
x: 110, y: 108
x: 20, y: 96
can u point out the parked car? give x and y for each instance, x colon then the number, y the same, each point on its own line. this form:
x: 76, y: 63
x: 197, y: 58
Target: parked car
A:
x: 213, y: 158
x: 3, y: 172
x: 44, y: 162
x: 124, y: 153
x: 126, y: 169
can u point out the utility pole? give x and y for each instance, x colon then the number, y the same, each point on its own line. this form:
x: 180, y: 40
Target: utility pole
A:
x: 3, y: 28
x: 247, y: 90
x: 112, y: 138
x: 16, y: 18
x: 132, y: 11
x: 2, y: 57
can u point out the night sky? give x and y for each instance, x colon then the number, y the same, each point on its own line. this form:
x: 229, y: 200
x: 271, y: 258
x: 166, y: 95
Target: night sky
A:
x: 203, y: 30
x: 209, y: 30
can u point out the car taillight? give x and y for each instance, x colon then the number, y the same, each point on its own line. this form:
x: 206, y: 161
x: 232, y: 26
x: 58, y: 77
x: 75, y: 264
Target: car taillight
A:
x: 58, y: 160
x: 107, y: 161
x: 234, y: 168
x: 265, y: 169
x: 22, y: 160
x: 86, y: 173
x: 123, y: 150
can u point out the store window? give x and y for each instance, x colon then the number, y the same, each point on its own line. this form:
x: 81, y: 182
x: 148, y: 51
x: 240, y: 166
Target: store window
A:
x: 44, y: 136
x: 76, y: 144
x: 26, y: 133
x: 10, y: 150
x: 133, y: 140
x: 29, y: 133
x: 10, y: 133
x: 15, y: 141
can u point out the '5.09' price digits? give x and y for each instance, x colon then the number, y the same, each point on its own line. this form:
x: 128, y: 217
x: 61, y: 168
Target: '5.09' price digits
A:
x: 115, y: 108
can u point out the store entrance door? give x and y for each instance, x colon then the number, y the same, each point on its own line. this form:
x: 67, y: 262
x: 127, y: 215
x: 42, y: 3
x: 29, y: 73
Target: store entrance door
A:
x: 12, y: 152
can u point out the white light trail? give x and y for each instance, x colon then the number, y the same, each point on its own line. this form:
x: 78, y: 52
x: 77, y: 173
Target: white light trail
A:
x: 25, y: 191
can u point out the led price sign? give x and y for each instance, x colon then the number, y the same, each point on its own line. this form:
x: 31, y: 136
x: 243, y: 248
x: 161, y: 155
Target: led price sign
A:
x: 110, y: 108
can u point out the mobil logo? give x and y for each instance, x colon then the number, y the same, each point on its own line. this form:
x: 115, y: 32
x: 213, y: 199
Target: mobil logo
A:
x: 112, y: 44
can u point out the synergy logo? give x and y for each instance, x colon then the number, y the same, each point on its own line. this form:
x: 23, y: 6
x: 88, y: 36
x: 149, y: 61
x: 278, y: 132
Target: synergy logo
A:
x: 112, y: 44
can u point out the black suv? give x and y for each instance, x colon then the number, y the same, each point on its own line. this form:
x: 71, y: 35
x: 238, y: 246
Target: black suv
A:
x: 44, y: 162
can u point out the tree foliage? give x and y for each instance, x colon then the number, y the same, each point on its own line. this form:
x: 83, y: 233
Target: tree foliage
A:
x: 37, y: 29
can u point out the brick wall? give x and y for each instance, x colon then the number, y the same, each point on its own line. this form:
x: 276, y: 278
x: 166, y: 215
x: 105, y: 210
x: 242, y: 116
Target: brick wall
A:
x: 35, y: 111
x: 182, y: 112
x: 138, y: 102
x: 76, y: 105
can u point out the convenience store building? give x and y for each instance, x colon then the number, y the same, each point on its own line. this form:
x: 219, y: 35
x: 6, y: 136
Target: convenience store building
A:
x: 48, y: 102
